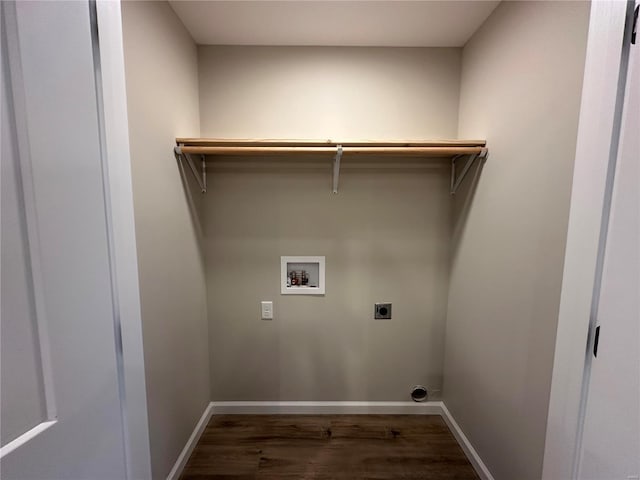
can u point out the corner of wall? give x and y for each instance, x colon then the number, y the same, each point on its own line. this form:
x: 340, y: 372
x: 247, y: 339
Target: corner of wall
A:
x: 521, y: 79
x: 162, y: 96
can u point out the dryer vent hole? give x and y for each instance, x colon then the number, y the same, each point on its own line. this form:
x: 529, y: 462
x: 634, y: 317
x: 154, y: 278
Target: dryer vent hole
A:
x: 419, y: 393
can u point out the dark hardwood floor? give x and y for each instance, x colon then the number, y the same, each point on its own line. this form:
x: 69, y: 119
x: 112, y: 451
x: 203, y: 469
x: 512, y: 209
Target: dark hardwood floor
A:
x: 372, y: 447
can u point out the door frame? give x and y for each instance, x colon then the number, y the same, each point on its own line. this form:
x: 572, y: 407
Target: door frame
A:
x: 110, y: 75
x: 596, y: 152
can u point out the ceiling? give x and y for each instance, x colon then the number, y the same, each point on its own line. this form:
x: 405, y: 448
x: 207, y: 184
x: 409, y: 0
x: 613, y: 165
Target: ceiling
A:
x: 385, y: 23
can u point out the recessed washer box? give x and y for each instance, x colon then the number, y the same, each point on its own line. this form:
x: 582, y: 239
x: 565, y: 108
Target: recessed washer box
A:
x: 302, y: 275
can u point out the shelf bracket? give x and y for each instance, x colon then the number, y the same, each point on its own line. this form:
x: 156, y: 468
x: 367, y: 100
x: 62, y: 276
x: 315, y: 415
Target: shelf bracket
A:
x: 456, y: 180
x: 201, y: 177
x: 336, y: 168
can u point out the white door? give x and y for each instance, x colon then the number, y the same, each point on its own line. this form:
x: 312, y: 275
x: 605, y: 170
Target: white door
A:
x: 611, y: 438
x: 61, y: 411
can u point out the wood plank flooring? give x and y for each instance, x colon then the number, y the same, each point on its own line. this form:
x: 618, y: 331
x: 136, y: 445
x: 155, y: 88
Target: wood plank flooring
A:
x: 327, y: 447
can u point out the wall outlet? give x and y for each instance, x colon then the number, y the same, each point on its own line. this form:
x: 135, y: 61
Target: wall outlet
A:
x: 267, y: 310
x: 382, y: 311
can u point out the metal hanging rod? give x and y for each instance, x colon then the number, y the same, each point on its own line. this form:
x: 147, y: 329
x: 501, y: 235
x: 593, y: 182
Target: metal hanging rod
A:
x: 418, y: 151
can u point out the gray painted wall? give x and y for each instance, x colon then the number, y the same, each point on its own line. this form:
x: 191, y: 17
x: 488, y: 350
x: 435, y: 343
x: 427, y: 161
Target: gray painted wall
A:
x: 162, y: 90
x: 521, y: 83
x: 329, y: 92
x: 385, y: 235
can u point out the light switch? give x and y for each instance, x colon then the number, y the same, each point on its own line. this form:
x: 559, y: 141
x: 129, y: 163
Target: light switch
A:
x: 267, y: 310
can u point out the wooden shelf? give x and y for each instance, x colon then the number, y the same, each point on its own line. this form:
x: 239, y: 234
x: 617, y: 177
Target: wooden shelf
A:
x: 445, y: 149
x: 261, y: 147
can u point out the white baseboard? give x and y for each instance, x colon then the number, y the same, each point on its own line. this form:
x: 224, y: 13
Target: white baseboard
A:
x: 477, y: 463
x: 330, y: 408
x: 176, y: 471
x: 327, y: 408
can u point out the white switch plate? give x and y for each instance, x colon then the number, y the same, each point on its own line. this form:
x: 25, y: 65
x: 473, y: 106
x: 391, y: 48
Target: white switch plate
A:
x: 267, y: 310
